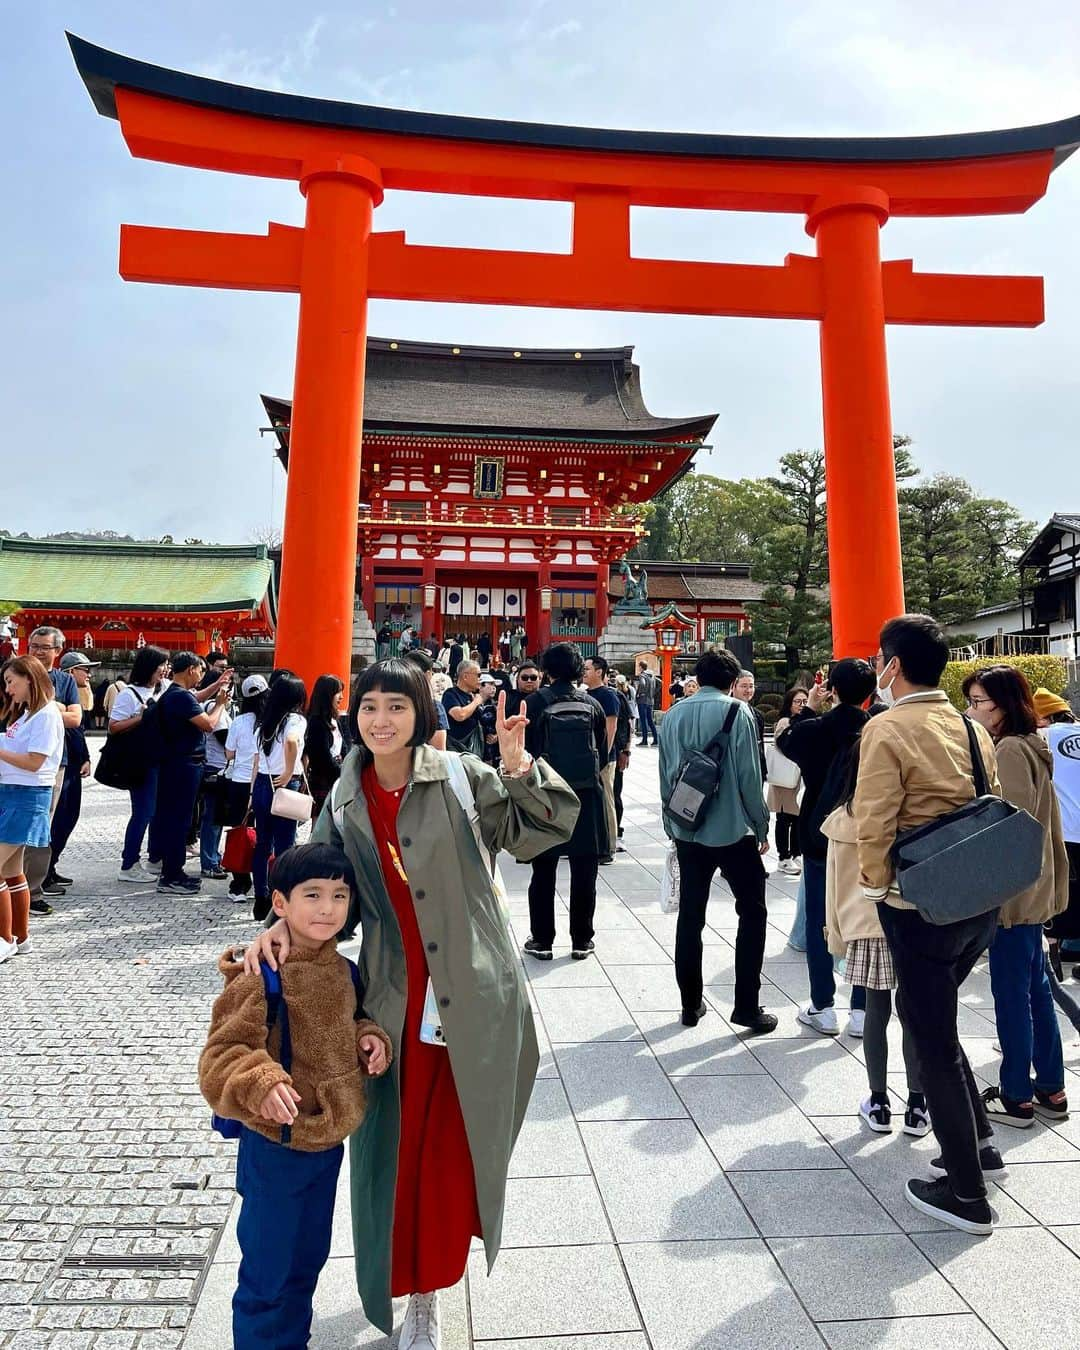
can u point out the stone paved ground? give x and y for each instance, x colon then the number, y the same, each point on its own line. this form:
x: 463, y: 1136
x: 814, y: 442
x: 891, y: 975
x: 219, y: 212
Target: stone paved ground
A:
x: 675, y: 1189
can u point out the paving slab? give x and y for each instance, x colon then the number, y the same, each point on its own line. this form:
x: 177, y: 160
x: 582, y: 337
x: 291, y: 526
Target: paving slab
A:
x: 616, y: 1340
x: 659, y: 1181
x: 549, y: 1144
x: 750, y: 1123
x: 1049, y: 1191
x: 836, y: 1205
x: 553, y: 1212
x: 616, y: 1081
x: 708, y: 1049
x: 821, y: 1076
x: 853, y: 1277
x: 550, y: 1291
x: 956, y: 1331
x: 583, y: 1015
x: 1019, y: 1281
x: 715, y: 1296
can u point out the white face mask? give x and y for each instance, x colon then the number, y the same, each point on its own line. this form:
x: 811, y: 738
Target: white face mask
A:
x: 884, y: 691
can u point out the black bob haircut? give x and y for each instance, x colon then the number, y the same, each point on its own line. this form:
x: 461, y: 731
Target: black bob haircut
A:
x: 395, y: 676
x: 562, y: 661
x: 186, y: 661
x: 311, y: 862
x: 717, y: 668
x: 852, y: 680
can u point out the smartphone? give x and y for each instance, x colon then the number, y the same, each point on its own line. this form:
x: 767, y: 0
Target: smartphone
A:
x: 819, y: 678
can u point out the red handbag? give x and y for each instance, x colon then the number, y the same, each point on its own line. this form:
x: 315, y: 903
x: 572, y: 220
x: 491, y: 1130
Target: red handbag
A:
x: 239, y: 849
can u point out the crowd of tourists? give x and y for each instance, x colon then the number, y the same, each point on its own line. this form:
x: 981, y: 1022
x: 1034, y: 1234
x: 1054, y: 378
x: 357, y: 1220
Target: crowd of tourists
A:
x: 443, y: 760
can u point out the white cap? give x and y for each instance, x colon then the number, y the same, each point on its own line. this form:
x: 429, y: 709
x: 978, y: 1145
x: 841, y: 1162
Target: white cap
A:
x: 254, y: 684
x: 488, y: 679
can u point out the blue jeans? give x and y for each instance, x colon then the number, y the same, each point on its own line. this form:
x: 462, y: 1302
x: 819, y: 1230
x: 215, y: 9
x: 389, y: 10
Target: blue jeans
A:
x: 178, y: 786
x: 143, y: 801
x: 273, y: 834
x: 286, y: 1219
x: 645, y: 718
x: 797, y: 936
x: 209, y: 831
x: 818, y: 961
x: 1024, y: 1011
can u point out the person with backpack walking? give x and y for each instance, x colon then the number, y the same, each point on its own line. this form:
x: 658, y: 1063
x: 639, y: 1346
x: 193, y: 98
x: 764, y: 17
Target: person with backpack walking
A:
x: 645, y: 687
x: 429, y: 1163
x: 568, y: 730
x: 595, y: 679
x: 731, y: 834
x: 128, y: 710
x: 624, y: 736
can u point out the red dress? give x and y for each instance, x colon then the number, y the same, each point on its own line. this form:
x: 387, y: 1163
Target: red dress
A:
x: 435, y: 1209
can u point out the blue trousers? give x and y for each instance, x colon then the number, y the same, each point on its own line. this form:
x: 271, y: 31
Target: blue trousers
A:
x: 1024, y: 1011
x: 797, y: 936
x: 143, y: 802
x: 286, y: 1218
x: 209, y: 830
x: 819, y: 963
x: 647, y: 723
x: 273, y: 834
x: 178, y: 786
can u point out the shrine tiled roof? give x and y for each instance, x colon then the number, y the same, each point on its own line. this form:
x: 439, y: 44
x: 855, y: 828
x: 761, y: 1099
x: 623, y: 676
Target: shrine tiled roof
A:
x: 697, y: 582
x: 429, y: 386
x: 202, y: 578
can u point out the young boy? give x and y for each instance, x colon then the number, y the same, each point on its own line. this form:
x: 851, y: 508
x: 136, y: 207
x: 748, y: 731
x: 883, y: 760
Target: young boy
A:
x: 292, y: 1123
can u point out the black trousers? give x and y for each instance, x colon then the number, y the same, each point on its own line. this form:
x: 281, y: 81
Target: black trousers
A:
x: 787, y: 835
x: 741, y: 867
x: 618, y: 797
x: 582, y: 899
x: 932, y: 961
x: 66, y: 816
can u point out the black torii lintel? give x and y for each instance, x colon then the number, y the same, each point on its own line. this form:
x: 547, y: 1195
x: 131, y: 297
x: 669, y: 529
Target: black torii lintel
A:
x: 103, y: 72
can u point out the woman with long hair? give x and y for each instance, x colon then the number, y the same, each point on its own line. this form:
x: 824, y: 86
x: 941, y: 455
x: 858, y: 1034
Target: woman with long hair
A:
x: 441, y: 976
x: 1000, y: 698
x: 241, y: 754
x: 279, y: 728
x: 784, y: 782
x: 142, y: 688
x: 324, y: 745
x: 31, y: 746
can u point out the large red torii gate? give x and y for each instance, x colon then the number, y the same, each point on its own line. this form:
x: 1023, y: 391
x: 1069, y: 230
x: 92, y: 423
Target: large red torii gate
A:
x: 344, y: 155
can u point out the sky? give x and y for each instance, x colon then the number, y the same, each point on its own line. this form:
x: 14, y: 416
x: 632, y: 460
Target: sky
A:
x: 136, y: 408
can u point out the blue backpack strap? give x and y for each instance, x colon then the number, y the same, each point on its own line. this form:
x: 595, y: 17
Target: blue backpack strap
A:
x: 358, y: 988
x: 277, y: 1012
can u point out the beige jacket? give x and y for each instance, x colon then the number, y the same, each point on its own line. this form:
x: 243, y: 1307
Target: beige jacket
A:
x: 914, y: 765
x: 1026, y: 767
x: 849, y: 915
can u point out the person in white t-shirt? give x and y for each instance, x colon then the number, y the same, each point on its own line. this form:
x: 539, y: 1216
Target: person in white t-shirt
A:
x: 241, y: 754
x: 31, y: 747
x: 144, y: 686
x: 1062, y: 732
x: 281, y: 730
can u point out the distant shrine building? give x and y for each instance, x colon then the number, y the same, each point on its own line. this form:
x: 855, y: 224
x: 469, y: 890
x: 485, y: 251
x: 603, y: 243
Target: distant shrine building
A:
x: 501, y: 489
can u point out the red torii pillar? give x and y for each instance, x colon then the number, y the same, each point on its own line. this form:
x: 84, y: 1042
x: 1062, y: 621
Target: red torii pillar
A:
x: 342, y: 154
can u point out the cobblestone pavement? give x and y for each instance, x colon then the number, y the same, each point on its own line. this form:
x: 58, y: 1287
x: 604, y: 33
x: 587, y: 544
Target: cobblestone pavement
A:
x: 674, y: 1189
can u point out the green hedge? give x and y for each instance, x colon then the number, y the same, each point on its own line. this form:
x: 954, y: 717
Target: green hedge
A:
x: 1048, y: 672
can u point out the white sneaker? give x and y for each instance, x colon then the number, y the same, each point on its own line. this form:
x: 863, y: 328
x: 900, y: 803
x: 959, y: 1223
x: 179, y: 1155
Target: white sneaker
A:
x: 787, y: 866
x: 154, y: 868
x: 24, y: 948
x: 856, y: 1019
x: 136, y: 874
x: 796, y: 866
x: 7, y: 949
x: 420, y: 1330
x: 823, y: 1021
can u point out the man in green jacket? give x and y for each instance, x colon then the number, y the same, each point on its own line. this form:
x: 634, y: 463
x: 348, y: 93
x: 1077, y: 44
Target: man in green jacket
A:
x: 732, y: 837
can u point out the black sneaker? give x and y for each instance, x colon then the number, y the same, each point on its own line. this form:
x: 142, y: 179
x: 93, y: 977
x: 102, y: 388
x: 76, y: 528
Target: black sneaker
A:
x: 215, y: 873
x: 690, y: 1018
x: 534, y: 949
x: 1005, y: 1111
x: 757, y: 1021
x: 64, y: 881
x: 583, y: 953
x: 52, y: 888
x: 185, y: 886
x: 40, y: 906
x: 1051, y: 1105
x: 260, y: 908
x: 605, y: 859
x: 990, y: 1160
x: 936, y: 1199
x: 878, y: 1115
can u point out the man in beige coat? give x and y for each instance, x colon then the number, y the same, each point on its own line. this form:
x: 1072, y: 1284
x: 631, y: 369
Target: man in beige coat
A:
x: 915, y: 766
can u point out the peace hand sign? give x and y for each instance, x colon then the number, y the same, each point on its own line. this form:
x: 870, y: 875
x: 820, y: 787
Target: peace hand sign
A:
x: 511, y: 733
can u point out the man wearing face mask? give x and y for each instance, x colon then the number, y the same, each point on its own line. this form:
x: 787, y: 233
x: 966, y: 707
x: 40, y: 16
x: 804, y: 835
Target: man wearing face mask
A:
x: 915, y: 765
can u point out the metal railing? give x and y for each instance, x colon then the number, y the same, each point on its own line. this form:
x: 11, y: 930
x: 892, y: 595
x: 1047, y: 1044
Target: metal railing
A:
x: 1005, y: 645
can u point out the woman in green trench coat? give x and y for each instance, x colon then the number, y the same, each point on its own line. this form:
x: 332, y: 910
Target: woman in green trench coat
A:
x: 453, y: 813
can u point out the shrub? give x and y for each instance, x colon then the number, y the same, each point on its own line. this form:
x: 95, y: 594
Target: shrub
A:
x: 1050, y: 672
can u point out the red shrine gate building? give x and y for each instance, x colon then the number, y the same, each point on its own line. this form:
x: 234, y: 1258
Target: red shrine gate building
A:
x: 499, y: 486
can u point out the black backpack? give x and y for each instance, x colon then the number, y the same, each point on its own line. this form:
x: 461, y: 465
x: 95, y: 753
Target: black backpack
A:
x: 569, y: 740
x: 127, y: 757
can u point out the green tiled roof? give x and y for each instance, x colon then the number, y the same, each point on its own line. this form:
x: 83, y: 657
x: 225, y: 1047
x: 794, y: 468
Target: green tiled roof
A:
x: 108, y: 576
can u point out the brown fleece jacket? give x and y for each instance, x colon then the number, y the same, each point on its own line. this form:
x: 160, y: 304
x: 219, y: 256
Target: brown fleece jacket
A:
x: 238, y: 1067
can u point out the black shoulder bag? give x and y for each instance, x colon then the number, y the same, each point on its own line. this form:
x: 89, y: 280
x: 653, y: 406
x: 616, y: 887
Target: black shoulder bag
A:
x: 699, y: 777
